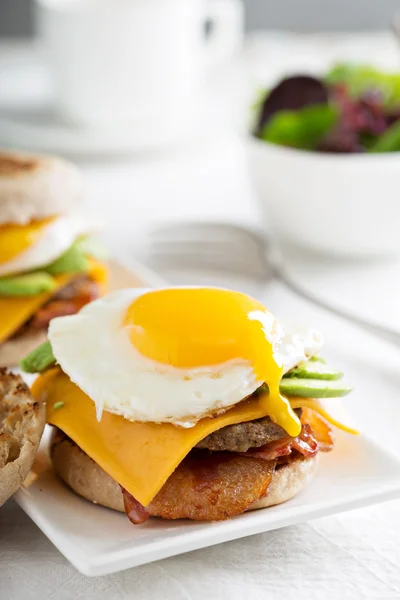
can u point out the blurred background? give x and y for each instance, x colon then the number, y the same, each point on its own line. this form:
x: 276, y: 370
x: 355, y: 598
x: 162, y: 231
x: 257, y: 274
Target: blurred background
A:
x: 309, y: 15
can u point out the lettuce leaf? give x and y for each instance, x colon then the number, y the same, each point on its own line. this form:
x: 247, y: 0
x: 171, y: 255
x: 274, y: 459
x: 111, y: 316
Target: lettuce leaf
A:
x: 389, y: 141
x: 302, y: 128
x: 364, y: 78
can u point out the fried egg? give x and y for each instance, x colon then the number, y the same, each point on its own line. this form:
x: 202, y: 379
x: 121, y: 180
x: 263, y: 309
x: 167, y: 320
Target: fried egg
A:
x: 178, y: 355
x: 28, y: 247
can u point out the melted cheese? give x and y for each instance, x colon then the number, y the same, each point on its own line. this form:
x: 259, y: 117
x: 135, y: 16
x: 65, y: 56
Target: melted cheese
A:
x: 139, y: 456
x: 315, y: 405
x: 15, y: 311
x: 98, y: 271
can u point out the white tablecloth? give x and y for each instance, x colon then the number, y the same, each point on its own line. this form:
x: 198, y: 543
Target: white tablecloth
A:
x: 356, y: 555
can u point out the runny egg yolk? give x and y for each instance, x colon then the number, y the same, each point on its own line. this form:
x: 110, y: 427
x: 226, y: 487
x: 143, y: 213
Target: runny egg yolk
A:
x: 15, y: 239
x: 197, y: 327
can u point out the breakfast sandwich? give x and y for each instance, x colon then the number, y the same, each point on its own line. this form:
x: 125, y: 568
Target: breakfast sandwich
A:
x: 184, y: 403
x: 48, y: 263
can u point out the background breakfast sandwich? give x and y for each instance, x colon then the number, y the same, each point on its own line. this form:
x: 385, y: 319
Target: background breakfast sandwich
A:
x: 48, y: 264
x: 184, y: 403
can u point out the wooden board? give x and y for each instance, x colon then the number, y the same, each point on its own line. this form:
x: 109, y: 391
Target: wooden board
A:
x: 135, y: 276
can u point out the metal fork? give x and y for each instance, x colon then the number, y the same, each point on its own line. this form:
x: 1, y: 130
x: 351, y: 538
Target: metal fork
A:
x: 240, y: 250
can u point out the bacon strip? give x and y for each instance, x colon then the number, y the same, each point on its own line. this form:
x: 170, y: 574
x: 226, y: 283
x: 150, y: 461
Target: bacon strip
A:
x: 135, y: 511
x: 67, y: 302
x: 315, y: 436
x: 321, y: 429
x: 304, y: 443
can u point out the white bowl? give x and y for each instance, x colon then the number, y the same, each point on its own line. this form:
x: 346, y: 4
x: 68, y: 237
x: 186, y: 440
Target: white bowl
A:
x: 339, y: 204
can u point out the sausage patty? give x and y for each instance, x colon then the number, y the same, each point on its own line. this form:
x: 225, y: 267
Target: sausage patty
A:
x: 241, y: 437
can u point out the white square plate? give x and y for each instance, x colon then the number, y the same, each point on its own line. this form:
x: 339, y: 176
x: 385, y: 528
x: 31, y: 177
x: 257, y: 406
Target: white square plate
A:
x: 98, y: 541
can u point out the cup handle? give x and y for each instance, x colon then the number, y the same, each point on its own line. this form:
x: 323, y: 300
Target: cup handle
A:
x: 226, y: 37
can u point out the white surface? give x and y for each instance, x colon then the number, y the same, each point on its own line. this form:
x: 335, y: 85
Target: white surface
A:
x: 356, y: 555
x: 329, y: 203
x: 145, y: 62
x: 31, y: 121
x: 99, y: 541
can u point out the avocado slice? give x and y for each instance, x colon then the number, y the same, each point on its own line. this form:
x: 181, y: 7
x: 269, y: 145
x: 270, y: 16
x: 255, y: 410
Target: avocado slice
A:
x: 313, y: 388
x: 72, y: 261
x: 314, y: 370
x: 30, y: 284
x: 76, y: 258
x: 40, y: 359
x: 317, y: 359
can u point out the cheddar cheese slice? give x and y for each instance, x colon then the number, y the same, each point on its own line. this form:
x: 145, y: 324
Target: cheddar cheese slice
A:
x: 139, y: 456
x: 316, y: 406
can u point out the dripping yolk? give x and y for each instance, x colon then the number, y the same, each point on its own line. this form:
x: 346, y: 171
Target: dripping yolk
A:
x: 196, y: 327
x: 16, y: 239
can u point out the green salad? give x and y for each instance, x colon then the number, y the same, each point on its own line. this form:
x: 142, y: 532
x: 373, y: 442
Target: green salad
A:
x: 352, y: 108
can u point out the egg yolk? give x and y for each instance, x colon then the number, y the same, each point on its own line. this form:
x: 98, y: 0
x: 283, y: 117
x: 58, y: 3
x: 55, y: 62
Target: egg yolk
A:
x: 196, y: 327
x: 15, y: 239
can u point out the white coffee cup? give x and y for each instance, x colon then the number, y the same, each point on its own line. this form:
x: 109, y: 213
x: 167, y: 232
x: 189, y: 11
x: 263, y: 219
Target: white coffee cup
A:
x: 130, y: 61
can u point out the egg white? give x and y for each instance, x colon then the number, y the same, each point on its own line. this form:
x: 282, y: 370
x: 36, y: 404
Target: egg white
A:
x: 58, y: 236
x: 95, y: 351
